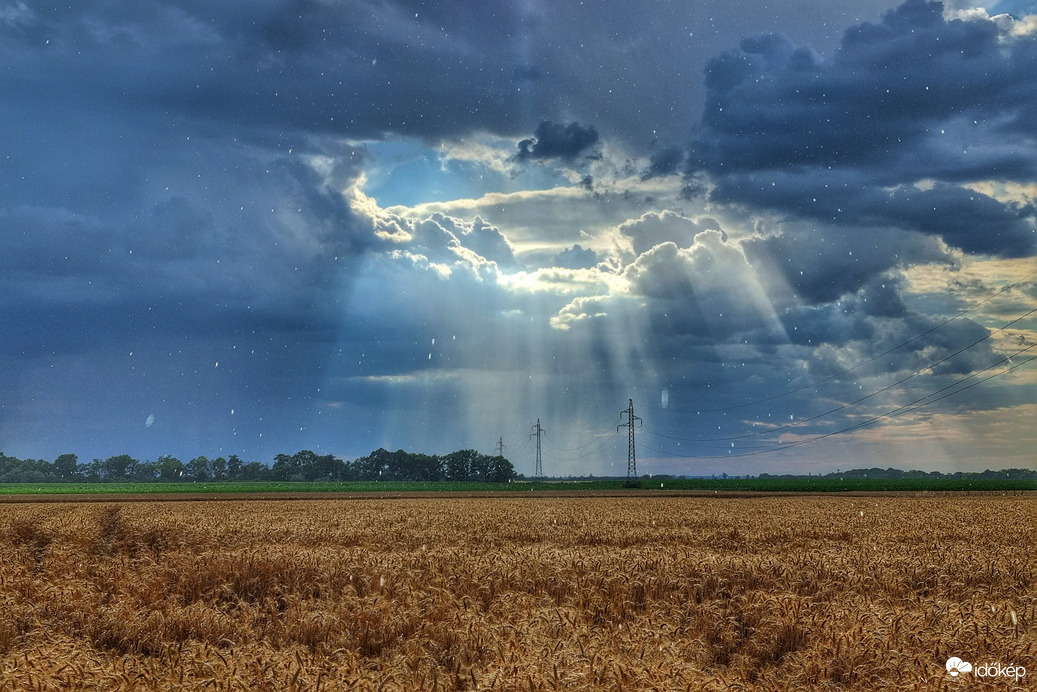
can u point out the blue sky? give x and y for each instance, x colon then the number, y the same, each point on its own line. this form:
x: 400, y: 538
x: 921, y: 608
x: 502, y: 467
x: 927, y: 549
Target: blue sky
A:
x: 800, y: 236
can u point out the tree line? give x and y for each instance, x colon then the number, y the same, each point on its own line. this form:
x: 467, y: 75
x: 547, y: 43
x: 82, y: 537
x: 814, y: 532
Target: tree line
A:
x: 381, y: 464
x: 891, y: 473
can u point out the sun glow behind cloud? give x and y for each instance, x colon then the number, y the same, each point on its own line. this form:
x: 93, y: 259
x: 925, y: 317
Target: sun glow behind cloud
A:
x: 599, y: 318
x: 656, y: 285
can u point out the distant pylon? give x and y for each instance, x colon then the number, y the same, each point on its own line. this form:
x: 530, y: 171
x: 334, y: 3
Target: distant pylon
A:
x: 500, y: 447
x: 539, y: 473
x: 631, y: 453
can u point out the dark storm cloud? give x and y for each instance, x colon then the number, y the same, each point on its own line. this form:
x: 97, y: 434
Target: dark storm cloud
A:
x: 820, y: 267
x: 872, y: 321
x: 912, y: 98
x: 553, y: 140
x: 880, y: 297
x: 963, y: 217
x: 883, y: 97
x: 666, y: 161
x: 189, y: 271
x: 183, y: 268
x: 365, y: 69
x: 275, y: 66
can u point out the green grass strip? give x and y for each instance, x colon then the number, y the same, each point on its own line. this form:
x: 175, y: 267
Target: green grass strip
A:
x: 771, y: 484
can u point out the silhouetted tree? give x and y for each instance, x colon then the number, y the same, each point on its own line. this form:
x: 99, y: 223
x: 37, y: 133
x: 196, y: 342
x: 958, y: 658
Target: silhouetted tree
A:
x: 458, y: 465
x: 254, y: 471
x: 197, y: 469
x: 218, y: 469
x: 145, y: 471
x: 500, y: 470
x: 65, y: 466
x: 234, y: 465
x: 169, y: 468
x: 117, y: 468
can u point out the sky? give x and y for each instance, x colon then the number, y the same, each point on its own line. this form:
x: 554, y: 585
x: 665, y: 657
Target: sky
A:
x: 796, y: 236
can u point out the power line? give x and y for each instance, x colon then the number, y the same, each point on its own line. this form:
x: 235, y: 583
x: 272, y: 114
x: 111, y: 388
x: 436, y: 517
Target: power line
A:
x: 522, y: 447
x: 578, y: 448
x: 601, y: 443
x: 913, y: 405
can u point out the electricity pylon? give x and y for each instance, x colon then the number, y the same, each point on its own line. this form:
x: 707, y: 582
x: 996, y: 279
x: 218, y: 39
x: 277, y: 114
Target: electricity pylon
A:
x: 500, y: 447
x: 539, y: 473
x: 631, y: 453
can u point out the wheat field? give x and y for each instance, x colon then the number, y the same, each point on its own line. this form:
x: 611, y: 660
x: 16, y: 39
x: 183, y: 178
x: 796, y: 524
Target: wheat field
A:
x: 618, y: 593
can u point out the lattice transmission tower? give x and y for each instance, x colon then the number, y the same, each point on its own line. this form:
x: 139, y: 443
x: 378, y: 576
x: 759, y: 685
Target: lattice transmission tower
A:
x: 631, y: 452
x: 537, y: 430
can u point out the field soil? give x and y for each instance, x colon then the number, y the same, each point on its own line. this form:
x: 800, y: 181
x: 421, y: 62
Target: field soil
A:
x: 465, y: 593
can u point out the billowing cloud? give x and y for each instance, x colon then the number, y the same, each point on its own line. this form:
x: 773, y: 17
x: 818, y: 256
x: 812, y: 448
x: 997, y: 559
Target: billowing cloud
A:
x: 653, y: 228
x: 885, y: 133
x: 581, y: 309
x: 576, y: 257
x: 707, y: 290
